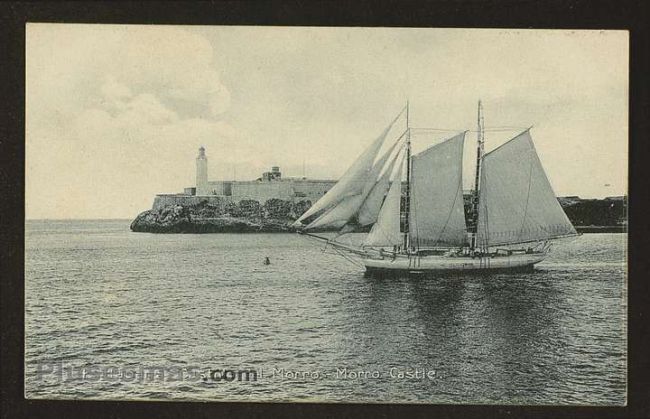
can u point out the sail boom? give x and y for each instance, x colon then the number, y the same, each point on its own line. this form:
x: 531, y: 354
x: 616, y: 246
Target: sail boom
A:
x: 550, y: 238
x: 333, y: 243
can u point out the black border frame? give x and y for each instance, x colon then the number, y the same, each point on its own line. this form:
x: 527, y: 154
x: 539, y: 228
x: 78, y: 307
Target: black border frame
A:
x: 632, y: 15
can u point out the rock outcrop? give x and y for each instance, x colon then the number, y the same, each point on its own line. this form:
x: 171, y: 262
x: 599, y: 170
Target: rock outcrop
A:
x: 277, y: 215
x: 247, y: 216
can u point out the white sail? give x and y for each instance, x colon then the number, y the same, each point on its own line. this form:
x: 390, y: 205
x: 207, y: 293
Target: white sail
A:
x: 351, y: 183
x: 342, y: 213
x: 371, y: 206
x: 437, y: 216
x: 517, y: 203
x: 386, y: 231
x: 338, y: 216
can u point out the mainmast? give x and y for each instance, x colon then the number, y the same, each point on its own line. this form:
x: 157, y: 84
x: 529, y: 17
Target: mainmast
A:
x: 473, y: 227
x: 407, y: 202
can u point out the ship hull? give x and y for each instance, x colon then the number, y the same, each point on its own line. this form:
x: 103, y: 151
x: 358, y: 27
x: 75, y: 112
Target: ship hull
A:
x: 447, y: 264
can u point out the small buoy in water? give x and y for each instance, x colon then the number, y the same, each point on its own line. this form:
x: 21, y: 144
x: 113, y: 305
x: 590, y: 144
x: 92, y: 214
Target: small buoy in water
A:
x: 267, y: 261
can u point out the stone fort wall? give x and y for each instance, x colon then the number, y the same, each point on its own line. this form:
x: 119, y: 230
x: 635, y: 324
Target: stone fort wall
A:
x: 163, y: 200
x: 221, y: 192
x: 270, y: 185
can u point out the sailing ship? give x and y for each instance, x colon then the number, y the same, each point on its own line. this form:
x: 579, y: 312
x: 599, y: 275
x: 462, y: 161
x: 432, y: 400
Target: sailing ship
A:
x: 420, y: 224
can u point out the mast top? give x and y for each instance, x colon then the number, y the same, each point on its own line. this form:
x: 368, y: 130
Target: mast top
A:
x: 407, y: 114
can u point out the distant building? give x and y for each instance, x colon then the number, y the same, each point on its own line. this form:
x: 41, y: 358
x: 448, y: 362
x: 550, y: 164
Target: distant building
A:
x: 270, y: 185
x: 274, y: 174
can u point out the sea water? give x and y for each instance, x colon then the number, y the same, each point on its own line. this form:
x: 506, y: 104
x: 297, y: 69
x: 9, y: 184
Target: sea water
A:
x: 111, y: 314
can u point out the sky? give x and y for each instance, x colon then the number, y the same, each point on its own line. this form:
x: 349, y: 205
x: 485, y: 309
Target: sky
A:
x: 115, y: 113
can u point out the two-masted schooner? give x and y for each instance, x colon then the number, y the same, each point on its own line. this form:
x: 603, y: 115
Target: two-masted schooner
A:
x: 420, y: 225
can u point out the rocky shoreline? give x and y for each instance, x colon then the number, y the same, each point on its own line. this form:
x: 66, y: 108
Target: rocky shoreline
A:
x: 247, y: 216
x: 277, y: 215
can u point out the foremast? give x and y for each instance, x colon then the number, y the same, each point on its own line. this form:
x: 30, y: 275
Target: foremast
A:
x: 473, y: 224
x: 407, y: 201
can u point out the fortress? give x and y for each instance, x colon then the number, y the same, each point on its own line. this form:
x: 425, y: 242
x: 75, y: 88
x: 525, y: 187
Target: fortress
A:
x: 270, y: 185
x: 271, y: 202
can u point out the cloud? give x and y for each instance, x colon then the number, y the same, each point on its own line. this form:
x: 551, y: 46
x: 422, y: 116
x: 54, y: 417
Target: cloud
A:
x: 77, y: 66
x: 115, y: 92
x: 117, y: 111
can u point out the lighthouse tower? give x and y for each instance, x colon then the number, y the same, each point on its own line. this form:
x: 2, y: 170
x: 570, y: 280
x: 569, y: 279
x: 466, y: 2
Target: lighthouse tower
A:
x: 202, y: 173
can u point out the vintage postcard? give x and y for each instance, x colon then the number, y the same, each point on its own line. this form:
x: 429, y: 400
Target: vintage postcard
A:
x: 320, y: 214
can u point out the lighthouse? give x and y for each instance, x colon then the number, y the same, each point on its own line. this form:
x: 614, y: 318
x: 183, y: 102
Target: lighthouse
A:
x: 202, y: 173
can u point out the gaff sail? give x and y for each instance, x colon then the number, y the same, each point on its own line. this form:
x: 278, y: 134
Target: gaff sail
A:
x: 437, y: 215
x: 517, y: 202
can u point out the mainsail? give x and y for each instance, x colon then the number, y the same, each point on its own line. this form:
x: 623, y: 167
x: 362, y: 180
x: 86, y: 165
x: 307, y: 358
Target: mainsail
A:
x: 517, y: 202
x: 437, y: 216
x: 386, y: 231
x: 353, y: 182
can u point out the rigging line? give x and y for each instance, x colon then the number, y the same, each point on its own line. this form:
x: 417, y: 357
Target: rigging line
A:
x: 509, y: 141
x: 530, y: 176
x: 435, y: 129
x: 508, y: 127
x: 451, y: 211
x: 338, y: 234
x: 438, y: 144
x: 453, y: 205
x: 379, y: 230
x: 401, y: 136
x: 385, y: 234
x: 483, y: 200
x: 548, y: 182
x: 392, y: 161
x: 493, y: 129
x: 523, y: 128
x: 412, y: 213
x: 402, y: 111
x: 501, y: 129
x: 347, y: 257
x: 536, y: 240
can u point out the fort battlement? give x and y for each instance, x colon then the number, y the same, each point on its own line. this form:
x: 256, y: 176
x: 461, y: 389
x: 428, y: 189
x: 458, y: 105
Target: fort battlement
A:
x: 163, y: 200
x: 269, y: 186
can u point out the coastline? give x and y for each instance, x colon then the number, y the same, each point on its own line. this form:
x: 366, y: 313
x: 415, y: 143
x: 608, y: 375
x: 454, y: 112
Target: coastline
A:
x: 248, y: 217
x: 601, y: 229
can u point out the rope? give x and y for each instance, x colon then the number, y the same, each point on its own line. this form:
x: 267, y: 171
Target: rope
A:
x: 493, y: 129
x: 530, y: 175
x: 459, y: 191
x: 348, y: 258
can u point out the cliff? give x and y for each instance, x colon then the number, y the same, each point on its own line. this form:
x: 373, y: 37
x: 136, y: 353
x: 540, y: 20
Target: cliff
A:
x: 277, y: 215
x: 247, y: 216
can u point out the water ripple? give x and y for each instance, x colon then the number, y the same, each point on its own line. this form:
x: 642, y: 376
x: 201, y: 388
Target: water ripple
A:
x: 97, y: 294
